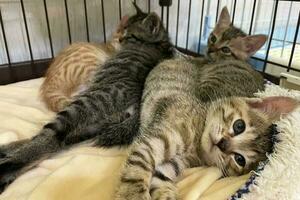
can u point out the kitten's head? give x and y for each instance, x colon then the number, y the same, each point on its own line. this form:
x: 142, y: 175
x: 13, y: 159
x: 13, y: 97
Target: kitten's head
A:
x: 227, y: 41
x: 145, y: 28
x: 237, y: 133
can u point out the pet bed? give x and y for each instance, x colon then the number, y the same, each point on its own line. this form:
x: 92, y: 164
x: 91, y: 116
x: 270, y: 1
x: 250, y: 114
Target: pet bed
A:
x: 92, y: 173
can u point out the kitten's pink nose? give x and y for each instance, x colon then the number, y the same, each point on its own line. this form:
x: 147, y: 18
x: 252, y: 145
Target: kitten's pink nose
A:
x: 223, y: 144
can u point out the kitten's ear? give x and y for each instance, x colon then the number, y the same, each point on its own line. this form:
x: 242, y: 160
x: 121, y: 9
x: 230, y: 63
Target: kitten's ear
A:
x: 274, y: 107
x: 137, y: 9
x: 153, y: 22
x: 244, y: 47
x: 123, y: 23
x: 224, y: 19
x: 253, y: 43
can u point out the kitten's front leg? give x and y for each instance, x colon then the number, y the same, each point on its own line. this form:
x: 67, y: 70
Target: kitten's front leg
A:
x: 151, y: 170
x: 137, y: 173
x: 163, y: 182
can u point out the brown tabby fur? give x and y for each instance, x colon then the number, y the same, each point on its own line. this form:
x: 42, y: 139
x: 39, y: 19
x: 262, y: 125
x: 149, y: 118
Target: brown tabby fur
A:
x: 72, y: 68
x: 187, y: 120
x: 227, y: 40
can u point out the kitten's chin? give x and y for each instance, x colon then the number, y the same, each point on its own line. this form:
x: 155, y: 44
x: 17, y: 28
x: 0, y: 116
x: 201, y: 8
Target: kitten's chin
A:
x: 209, y: 140
x: 209, y: 148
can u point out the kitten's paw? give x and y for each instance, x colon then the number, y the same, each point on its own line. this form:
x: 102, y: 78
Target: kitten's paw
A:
x: 5, y: 180
x: 132, y: 192
x: 9, y: 162
x: 165, y: 193
x: 9, y: 169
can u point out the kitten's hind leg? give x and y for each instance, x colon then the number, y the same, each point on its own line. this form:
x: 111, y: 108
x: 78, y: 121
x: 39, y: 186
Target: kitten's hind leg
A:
x: 120, y: 129
x: 121, y: 133
x: 18, y: 157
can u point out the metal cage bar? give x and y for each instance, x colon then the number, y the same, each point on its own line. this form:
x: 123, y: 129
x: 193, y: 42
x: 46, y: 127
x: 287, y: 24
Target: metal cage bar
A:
x: 168, y: 13
x: 162, y: 13
x: 86, y: 21
x: 120, y: 10
x: 11, y: 74
x: 233, y: 13
x: 103, y: 21
x: 48, y: 28
x: 177, y: 22
x: 217, y: 11
x: 271, y: 35
x: 149, y: 6
x: 28, y: 39
x: 294, y: 43
x: 252, y: 17
x: 188, y: 25
x: 201, y: 24
x: 5, y: 40
x: 68, y: 22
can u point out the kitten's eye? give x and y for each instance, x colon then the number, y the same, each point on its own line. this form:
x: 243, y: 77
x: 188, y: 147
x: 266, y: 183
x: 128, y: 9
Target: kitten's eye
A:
x: 239, y: 126
x: 239, y: 159
x: 226, y: 50
x: 213, y: 38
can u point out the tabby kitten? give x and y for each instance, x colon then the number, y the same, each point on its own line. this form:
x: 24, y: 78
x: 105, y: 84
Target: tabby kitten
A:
x: 108, y: 111
x: 194, y: 116
x: 227, y: 40
x: 70, y: 71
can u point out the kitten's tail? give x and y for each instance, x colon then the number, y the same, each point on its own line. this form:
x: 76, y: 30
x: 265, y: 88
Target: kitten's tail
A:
x: 55, y: 100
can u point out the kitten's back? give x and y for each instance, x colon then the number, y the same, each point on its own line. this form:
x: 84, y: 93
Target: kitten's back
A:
x: 227, y: 78
x: 72, y: 69
x: 185, y: 82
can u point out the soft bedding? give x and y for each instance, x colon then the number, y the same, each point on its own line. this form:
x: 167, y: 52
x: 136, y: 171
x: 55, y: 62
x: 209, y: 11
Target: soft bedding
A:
x: 91, y: 173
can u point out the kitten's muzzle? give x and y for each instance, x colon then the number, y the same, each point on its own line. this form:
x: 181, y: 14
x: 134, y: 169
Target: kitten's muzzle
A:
x: 223, y: 144
x: 212, y: 49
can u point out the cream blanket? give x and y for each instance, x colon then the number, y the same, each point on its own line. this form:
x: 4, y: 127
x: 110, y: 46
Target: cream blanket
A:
x: 82, y: 172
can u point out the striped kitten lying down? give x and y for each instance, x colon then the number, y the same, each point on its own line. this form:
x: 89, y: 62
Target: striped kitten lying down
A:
x: 74, y: 66
x: 195, y: 115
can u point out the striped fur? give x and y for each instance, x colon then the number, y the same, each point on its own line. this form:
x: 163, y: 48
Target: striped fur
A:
x: 182, y: 104
x: 107, y: 112
x: 73, y: 67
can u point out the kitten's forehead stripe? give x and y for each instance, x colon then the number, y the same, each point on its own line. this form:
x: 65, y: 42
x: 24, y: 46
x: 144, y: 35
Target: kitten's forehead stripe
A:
x: 232, y: 32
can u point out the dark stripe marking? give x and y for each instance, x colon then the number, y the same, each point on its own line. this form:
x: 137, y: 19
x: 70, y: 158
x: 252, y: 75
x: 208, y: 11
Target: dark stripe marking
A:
x: 131, y: 180
x: 148, y: 144
x: 139, y: 154
x: 175, y: 166
x: 139, y: 164
x: 161, y: 176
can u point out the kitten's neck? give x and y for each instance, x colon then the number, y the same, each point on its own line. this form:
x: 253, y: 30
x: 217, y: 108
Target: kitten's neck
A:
x: 151, y: 53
